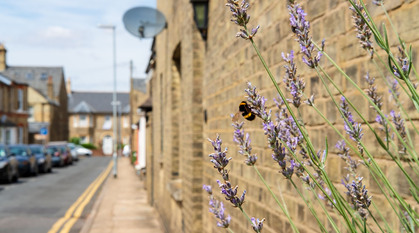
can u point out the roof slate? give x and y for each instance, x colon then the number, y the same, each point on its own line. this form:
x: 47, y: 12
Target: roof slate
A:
x: 96, y: 102
x: 36, y: 77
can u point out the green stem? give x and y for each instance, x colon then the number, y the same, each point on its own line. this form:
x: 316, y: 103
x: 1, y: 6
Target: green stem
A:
x: 247, y: 216
x: 284, y: 209
x: 313, y: 212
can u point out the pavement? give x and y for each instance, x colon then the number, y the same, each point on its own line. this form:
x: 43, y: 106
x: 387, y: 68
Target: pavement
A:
x: 121, y: 206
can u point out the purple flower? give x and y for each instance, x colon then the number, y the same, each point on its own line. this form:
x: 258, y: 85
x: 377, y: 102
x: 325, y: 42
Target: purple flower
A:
x: 352, y: 128
x: 378, y: 2
x: 394, y: 89
x: 217, y: 208
x: 207, y: 188
x: 363, y: 31
x: 343, y: 153
x: 293, y: 83
x: 404, y: 62
x: 244, y: 143
x: 301, y: 28
x: 231, y: 193
x: 372, y: 91
x: 257, y: 224
x: 401, y: 129
x: 239, y: 12
x: 219, y: 158
x: 358, y: 196
x: 241, y: 18
x: 257, y: 103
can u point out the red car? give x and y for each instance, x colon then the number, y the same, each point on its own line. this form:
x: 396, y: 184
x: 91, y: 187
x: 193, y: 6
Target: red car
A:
x: 60, y: 149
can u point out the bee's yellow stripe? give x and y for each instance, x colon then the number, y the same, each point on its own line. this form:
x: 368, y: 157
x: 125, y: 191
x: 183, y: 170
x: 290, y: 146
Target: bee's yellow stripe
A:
x: 248, y: 115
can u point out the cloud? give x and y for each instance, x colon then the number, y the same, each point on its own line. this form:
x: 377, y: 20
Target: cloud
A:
x: 53, y: 37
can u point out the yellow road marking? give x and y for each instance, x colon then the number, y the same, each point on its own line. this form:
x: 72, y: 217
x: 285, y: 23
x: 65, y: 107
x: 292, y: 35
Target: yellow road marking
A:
x: 67, y: 227
x: 57, y: 225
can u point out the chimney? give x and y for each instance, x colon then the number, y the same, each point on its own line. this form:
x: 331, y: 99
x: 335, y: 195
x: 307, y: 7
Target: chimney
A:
x: 50, y: 88
x: 68, y: 86
x: 3, y: 51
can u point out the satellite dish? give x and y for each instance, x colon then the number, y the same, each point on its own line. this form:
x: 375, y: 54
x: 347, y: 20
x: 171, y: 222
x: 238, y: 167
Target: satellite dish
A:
x: 144, y: 22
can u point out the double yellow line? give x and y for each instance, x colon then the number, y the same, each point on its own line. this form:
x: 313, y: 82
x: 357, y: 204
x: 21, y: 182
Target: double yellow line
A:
x: 76, y: 209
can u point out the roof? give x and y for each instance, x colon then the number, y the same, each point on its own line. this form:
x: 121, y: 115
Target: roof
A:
x: 139, y: 84
x: 36, y: 77
x: 50, y: 101
x: 5, y: 80
x: 96, y: 102
x: 147, y: 105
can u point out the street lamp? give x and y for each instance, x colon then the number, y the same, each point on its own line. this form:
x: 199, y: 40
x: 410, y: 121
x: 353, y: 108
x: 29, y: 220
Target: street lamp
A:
x: 114, y: 101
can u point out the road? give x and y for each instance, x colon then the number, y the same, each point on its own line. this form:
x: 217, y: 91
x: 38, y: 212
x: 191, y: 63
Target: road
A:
x: 34, y: 204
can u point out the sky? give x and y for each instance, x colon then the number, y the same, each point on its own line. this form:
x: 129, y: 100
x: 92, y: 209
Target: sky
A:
x: 65, y: 33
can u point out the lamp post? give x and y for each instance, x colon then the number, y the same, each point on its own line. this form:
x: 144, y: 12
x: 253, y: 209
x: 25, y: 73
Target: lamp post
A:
x: 114, y: 101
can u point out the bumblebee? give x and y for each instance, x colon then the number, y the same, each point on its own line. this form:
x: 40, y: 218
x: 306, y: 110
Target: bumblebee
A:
x: 246, y: 111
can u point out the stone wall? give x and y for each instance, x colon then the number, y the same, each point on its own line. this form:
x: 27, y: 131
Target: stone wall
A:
x: 197, y: 84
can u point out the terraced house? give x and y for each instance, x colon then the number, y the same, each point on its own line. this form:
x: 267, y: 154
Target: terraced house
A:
x: 200, y: 71
x: 46, y: 99
x: 91, y: 118
x: 13, y: 111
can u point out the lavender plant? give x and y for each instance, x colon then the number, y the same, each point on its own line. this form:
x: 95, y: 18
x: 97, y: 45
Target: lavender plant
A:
x: 220, y: 162
x: 290, y: 142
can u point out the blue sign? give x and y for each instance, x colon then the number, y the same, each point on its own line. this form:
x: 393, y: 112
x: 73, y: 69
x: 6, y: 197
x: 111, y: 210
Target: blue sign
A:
x: 43, y: 131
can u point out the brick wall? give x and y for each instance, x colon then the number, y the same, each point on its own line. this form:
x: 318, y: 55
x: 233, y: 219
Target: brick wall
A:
x: 195, y: 77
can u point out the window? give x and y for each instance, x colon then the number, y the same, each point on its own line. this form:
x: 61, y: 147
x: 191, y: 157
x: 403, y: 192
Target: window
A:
x: 29, y: 76
x: 91, y: 121
x: 20, y: 100
x: 108, y: 123
x: 8, y: 137
x: 83, y: 139
x: 75, y: 122
x: 31, y: 117
x: 44, y: 76
x: 83, y: 121
x: 20, y: 136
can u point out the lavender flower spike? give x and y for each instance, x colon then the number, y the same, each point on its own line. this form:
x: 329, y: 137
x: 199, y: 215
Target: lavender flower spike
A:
x: 207, y: 188
x: 301, y: 28
x: 257, y: 224
x: 378, y: 2
x: 352, y: 128
x: 294, y: 84
x: 219, y: 158
x: 244, y: 143
x: 217, y: 208
x: 241, y: 18
x: 401, y: 129
x: 257, y: 103
x: 231, y: 193
x: 363, y: 31
x: 358, y: 195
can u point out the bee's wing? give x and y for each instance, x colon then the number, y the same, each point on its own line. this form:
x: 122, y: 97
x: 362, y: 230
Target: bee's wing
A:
x: 236, y: 117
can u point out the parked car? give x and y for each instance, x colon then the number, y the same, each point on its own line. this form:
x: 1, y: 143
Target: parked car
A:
x: 43, y: 158
x: 9, y: 171
x: 63, y: 150
x: 27, y: 163
x: 83, y: 151
x: 56, y: 159
x: 73, y: 151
